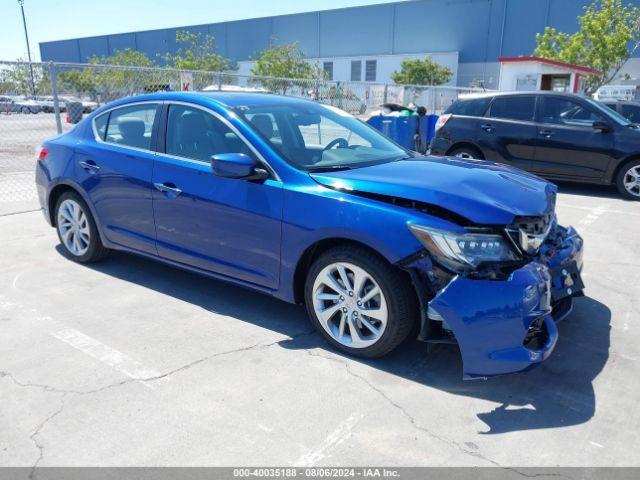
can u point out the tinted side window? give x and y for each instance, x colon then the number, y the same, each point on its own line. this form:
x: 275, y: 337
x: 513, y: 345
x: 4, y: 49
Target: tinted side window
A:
x: 132, y: 126
x: 564, y: 111
x: 631, y: 113
x: 472, y: 108
x: 513, y: 108
x: 101, y: 124
x: 196, y: 134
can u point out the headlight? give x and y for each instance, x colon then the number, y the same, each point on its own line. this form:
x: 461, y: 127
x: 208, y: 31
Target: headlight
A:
x: 462, y: 252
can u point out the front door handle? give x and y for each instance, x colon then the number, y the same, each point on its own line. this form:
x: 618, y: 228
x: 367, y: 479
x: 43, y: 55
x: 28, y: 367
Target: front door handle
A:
x: 546, y: 133
x: 89, y: 166
x: 168, y: 188
x: 487, y: 127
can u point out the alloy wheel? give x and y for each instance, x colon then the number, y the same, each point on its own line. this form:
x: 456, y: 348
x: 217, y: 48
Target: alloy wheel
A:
x: 73, y: 226
x: 631, y: 181
x: 350, y: 305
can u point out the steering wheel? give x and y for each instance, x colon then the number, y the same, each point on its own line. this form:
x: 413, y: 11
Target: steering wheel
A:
x: 341, y: 142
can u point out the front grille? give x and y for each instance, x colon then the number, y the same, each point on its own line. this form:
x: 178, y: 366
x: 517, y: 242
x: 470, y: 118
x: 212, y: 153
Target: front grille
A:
x: 529, y: 233
x: 533, y: 225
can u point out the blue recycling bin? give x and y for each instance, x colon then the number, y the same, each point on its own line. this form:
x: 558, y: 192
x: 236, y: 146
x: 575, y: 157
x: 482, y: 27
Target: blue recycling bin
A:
x: 399, y: 129
x: 430, y: 130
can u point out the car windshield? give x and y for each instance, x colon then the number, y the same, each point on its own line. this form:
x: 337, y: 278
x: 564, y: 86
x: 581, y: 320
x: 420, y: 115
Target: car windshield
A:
x: 317, y: 137
x: 609, y: 112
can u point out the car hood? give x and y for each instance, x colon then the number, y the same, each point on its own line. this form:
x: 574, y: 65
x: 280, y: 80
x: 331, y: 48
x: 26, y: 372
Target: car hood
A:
x: 483, y: 192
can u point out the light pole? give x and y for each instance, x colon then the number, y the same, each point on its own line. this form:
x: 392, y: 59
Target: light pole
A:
x: 26, y: 36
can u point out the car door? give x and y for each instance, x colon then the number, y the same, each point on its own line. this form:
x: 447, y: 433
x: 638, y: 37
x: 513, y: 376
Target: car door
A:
x: 115, y: 168
x: 567, y: 143
x: 507, y: 132
x: 230, y: 227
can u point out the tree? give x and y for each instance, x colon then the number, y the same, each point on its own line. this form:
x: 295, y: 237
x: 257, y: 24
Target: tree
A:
x: 126, y: 57
x: 197, y: 53
x: 16, y: 79
x: 608, y: 36
x: 116, y: 82
x: 422, y: 72
x: 81, y: 82
x: 284, y: 62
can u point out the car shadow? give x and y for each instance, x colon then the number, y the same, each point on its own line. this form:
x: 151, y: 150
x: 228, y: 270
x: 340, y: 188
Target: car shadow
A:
x: 589, y: 190
x: 558, y: 393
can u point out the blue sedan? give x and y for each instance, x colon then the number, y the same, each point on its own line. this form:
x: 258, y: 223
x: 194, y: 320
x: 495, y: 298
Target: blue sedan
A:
x: 304, y: 202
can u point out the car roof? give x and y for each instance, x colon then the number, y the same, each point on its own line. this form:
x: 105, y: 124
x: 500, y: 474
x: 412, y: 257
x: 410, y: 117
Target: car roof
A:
x: 222, y: 98
x: 472, y: 96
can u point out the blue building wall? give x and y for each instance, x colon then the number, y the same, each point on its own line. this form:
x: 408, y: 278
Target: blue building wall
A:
x: 481, y: 30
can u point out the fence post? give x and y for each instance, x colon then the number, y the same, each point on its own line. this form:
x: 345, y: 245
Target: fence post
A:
x: 433, y: 100
x: 54, y: 92
x: 386, y: 93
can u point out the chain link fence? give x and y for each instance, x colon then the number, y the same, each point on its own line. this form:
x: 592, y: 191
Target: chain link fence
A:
x: 40, y: 100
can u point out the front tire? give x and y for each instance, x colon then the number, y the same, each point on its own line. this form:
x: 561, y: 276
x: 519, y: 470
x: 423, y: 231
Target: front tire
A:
x: 77, y: 229
x: 628, y: 180
x: 360, y: 303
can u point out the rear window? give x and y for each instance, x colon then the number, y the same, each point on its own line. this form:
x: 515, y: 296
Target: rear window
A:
x: 513, y: 108
x: 472, y: 108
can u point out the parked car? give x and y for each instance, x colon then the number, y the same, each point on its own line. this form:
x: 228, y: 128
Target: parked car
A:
x: 377, y: 242
x: 19, y: 104
x: 46, y: 103
x: 88, y: 106
x: 629, y: 110
x: 555, y: 135
x: 617, y: 92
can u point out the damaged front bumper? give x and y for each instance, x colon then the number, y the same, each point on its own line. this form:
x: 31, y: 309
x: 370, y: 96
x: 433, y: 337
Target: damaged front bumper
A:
x: 507, y: 326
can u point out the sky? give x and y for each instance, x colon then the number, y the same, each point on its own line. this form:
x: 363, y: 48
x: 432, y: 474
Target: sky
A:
x: 60, y: 19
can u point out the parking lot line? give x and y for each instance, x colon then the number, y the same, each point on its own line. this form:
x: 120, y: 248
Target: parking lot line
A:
x: 608, y: 210
x: 107, y: 355
x: 335, y: 438
x: 592, y: 216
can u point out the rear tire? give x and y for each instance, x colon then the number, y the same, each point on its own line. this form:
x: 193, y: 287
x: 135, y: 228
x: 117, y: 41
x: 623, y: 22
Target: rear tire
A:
x: 628, y: 180
x: 371, y: 315
x: 77, y: 229
x: 466, y: 152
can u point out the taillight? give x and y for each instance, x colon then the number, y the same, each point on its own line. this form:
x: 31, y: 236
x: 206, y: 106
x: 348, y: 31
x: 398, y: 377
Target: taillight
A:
x: 41, y: 153
x: 442, y: 119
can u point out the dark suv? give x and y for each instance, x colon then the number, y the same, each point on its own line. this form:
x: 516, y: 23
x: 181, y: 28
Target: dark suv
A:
x: 555, y: 135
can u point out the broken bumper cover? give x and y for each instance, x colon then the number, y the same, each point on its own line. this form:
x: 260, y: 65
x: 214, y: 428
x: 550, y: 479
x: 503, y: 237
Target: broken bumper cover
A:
x: 510, y: 326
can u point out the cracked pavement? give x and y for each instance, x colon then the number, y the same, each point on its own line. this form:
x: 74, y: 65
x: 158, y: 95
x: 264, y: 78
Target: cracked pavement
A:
x: 132, y: 363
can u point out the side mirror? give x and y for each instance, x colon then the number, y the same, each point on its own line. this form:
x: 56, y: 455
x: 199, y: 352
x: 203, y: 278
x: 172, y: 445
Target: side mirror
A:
x: 237, y: 165
x: 602, y: 127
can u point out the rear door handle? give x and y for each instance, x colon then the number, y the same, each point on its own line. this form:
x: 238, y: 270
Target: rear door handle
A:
x: 546, y: 133
x: 168, y: 188
x: 487, y: 127
x: 90, y: 166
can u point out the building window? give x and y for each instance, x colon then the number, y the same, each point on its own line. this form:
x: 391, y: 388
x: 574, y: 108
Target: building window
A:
x: 328, y: 70
x: 356, y: 70
x: 370, y: 72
